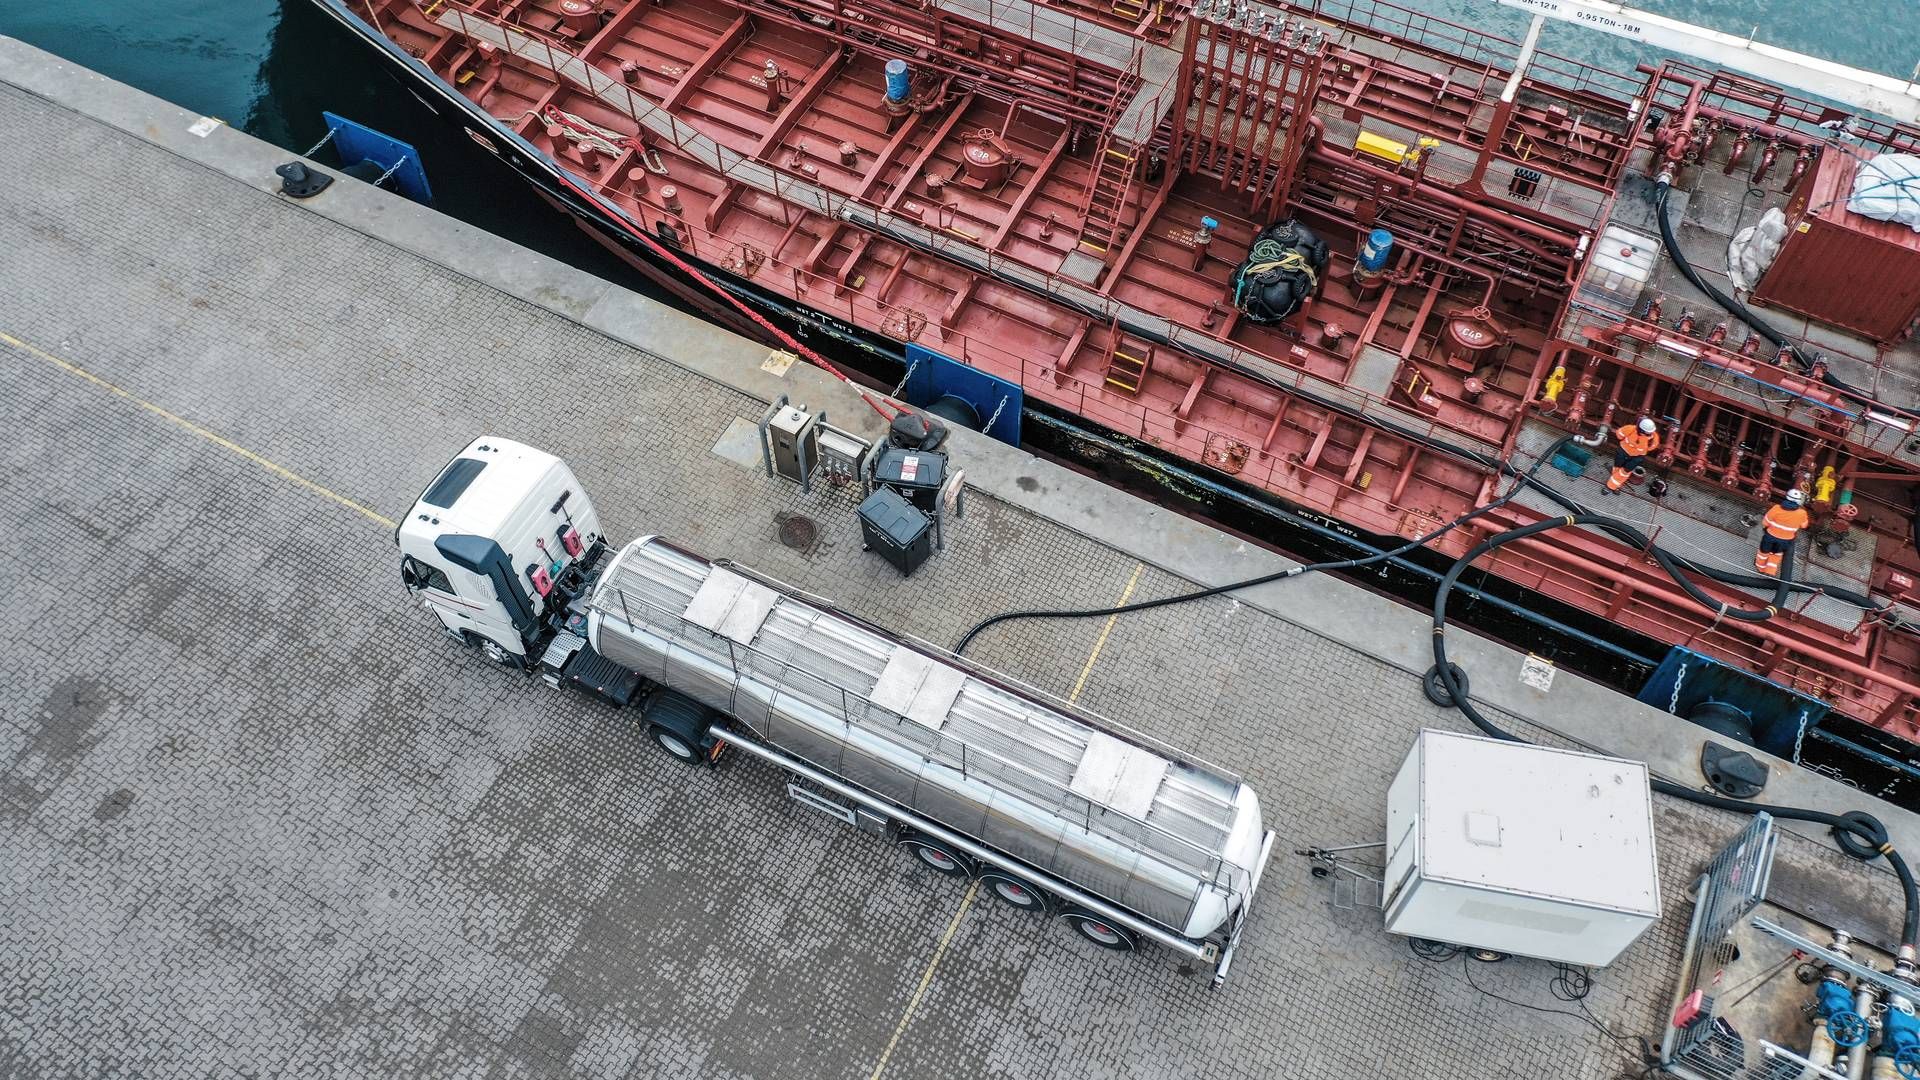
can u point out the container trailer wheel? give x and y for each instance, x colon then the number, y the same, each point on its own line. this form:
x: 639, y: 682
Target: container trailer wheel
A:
x: 937, y: 856
x: 1014, y: 892
x: 1101, y: 932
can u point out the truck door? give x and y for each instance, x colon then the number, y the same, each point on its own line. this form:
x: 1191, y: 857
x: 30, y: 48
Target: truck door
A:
x: 436, y: 592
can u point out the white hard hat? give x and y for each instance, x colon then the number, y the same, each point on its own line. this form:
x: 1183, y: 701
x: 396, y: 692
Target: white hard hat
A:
x: 1795, y: 495
x: 1646, y: 425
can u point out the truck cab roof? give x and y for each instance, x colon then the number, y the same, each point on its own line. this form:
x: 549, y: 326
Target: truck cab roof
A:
x: 479, y: 490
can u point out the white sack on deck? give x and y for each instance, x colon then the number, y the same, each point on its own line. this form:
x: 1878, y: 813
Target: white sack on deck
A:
x: 1753, y: 248
x: 1888, y: 189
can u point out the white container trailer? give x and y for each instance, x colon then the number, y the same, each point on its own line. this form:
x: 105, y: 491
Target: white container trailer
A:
x: 1507, y: 847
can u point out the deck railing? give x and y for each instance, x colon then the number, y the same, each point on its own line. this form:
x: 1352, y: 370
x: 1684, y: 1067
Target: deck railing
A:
x: 1445, y: 40
x: 1239, y: 452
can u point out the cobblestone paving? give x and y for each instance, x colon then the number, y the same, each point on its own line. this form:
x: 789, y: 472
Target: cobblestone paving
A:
x: 257, y: 818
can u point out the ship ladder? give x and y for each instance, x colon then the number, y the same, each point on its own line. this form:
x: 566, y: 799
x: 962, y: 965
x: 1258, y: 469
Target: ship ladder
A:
x: 1107, y: 196
x: 1127, y: 361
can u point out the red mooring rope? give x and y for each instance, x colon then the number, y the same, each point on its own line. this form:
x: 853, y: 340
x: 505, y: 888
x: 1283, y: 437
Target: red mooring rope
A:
x: 687, y: 268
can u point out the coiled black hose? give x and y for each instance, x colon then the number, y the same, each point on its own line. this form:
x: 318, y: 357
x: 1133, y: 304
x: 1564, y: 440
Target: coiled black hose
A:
x: 1860, y: 825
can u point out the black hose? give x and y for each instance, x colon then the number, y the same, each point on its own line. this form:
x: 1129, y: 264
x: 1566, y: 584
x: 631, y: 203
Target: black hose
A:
x: 1781, y: 585
x: 1675, y: 566
x: 1737, y: 309
x: 1449, y: 678
x: 1234, y: 586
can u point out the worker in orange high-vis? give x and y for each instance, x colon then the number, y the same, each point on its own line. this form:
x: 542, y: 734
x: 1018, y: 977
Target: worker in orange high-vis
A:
x: 1778, y: 530
x: 1636, y: 442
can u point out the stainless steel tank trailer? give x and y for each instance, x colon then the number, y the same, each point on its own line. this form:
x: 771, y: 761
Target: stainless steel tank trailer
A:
x: 978, y: 776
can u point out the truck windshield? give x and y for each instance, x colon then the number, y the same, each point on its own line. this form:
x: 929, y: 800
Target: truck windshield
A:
x: 447, y: 488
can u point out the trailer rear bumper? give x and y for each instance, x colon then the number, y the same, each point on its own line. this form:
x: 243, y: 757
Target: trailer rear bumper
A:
x: 1246, y: 910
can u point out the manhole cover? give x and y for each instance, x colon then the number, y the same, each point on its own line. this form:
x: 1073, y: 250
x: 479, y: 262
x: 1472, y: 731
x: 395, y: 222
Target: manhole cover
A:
x: 796, y: 531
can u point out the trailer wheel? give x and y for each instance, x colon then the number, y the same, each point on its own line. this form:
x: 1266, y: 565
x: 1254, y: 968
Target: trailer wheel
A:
x: 1014, y: 892
x: 938, y: 857
x: 1101, y: 932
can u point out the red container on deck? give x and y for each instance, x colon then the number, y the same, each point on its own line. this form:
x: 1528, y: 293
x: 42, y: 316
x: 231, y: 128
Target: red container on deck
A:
x: 1840, y: 268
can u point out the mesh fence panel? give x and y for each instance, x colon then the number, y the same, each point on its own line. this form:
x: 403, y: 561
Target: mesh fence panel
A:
x: 1706, y: 1046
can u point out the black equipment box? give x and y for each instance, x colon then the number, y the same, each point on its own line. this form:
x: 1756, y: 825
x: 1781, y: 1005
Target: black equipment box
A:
x: 895, y: 528
x: 915, y: 474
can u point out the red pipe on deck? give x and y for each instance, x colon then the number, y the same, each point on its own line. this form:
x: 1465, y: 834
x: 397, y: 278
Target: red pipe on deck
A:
x: 1440, y: 193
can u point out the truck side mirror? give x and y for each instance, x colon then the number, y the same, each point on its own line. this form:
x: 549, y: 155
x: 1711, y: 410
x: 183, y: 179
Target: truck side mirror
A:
x: 410, y: 575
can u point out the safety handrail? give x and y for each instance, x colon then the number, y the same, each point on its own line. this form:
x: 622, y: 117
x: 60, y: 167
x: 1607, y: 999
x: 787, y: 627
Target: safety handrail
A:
x: 636, y: 610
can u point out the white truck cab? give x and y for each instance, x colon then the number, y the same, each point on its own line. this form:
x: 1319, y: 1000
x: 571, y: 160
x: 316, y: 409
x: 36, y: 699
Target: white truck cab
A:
x: 485, y: 545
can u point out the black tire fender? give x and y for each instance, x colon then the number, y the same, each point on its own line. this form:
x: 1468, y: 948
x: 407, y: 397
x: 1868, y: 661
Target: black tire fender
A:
x: 682, y: 717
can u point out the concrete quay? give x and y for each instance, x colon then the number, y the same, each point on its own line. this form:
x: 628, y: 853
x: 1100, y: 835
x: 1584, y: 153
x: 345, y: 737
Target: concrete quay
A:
x: 261, y: 820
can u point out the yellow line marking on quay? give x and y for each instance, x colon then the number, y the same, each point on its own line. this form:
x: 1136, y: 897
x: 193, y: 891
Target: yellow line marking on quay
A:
x: 1081, y: 683
x: 192, y: 428
x: 926, y: 980
x: 973, y: 890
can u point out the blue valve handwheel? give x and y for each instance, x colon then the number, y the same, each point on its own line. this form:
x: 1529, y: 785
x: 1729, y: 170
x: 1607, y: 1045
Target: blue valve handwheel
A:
x: 1848, y: 1029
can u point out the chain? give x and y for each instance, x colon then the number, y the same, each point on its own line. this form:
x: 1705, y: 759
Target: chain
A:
x: 324, y: 140
x: 1673, y: 703
x: 998, y: 409
x: 898, y: 390
x: 389, y: 173
x: 1800, y: 737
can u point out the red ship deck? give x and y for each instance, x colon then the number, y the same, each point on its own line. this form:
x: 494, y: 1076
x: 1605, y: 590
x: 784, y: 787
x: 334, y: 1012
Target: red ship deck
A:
x: 1035, y: 208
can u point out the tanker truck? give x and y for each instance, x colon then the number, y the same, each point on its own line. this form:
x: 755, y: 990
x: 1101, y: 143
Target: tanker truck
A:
x: 1072, y: 818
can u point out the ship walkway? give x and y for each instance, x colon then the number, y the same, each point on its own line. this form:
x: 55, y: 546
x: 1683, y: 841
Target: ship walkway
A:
x: 262, y: 819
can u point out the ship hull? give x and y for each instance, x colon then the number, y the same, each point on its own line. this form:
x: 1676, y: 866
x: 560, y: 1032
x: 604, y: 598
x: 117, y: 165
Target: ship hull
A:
x: 1619, y: 656
x: 545, y: 178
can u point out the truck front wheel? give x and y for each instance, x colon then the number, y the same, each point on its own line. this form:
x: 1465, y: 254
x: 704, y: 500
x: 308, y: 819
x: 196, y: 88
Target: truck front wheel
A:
x: 673, y: 744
